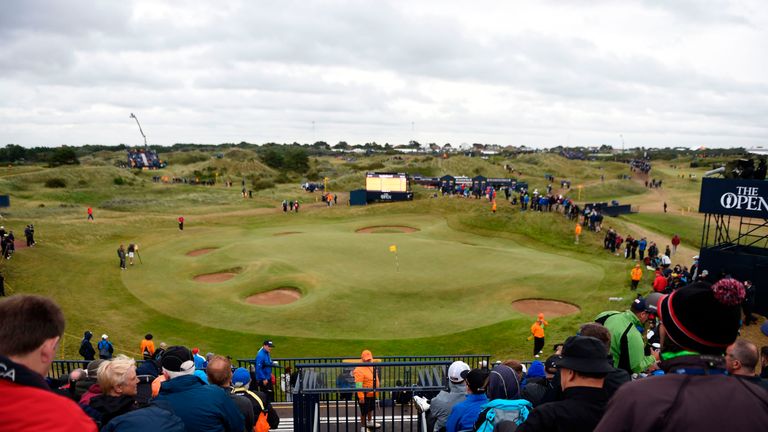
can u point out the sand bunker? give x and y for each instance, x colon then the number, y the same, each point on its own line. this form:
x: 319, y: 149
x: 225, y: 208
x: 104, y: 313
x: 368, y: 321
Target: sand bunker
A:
x: 550, y: 308
x: 285, y: 233
x: 279, y: 296
x: 198, y: 252
x: 386, y: 229
x: 217, y: 277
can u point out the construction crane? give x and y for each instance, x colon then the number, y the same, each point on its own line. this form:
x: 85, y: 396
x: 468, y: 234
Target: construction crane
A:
x: 142, y: 132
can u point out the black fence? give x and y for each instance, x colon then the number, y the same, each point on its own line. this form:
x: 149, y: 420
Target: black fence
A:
x: 283, y: 387
x: 325, y: 397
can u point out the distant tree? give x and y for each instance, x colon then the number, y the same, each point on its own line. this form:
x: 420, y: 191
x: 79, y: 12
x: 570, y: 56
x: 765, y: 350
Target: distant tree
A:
x: 296, y: 159
x: 272, y: 157
x: 413, y: 144
x: 342, y: 145
x: 63, y: 155
x: 13, y: 153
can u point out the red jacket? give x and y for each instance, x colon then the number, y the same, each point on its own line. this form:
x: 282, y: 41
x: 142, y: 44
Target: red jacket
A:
x: 25, y: 408
x: 660, y: 283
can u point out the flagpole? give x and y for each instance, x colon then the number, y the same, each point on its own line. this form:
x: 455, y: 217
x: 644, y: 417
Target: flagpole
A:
x: 397, y: 263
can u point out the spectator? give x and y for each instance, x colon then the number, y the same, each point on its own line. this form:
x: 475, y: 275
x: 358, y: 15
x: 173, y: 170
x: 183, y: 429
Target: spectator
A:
x: 201, y: 407
x: 117, y: 380
x: 504, y: 381
x: 636, y: 275
x: 219, y: 372
x: 465, y: 413
x: 675, y: 243
x: 86, y: 348
x: 741, y: 361
x: 199, y: 360
x: 264, y: 370
x: 659, y: 282
x: 749, y: 303
x: 583, y: 367
x: 441, y: 405
x: 105, y: 348
x: 30, y: 330
x: 88, y: 385
x: 536, y: 383
x: 160, y: 350
x: 152, y: 418
x: 265, y: 417
x: 147, y: 347
x: 698, y: 322
x: 627, y: 345
x: 366, y: 377
x: 764, y: 362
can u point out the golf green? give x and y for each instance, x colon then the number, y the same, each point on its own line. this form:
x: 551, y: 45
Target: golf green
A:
x: 440, y: 281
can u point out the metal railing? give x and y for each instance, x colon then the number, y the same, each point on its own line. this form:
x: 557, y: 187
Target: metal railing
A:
x: 325, y: 397
x: 283, y: 381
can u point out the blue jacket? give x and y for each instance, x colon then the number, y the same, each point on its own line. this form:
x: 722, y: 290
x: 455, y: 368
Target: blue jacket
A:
x: 263, y: 365
x: 464, y: 414
x: 201, y: 407
x: 151, y: 418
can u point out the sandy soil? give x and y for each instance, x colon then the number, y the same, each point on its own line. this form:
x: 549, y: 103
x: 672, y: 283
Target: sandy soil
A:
x: 199, y: 252
x: 386, y: 228
x: 550, y: 308
x: 279, y: 296
x: 215, y: 277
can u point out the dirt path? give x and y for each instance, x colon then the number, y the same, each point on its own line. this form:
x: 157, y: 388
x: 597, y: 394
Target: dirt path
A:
x: 684, y: 255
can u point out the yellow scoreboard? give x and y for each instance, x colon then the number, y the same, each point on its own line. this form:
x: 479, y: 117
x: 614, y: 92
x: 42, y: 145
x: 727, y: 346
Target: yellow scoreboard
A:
x: 387, y: 182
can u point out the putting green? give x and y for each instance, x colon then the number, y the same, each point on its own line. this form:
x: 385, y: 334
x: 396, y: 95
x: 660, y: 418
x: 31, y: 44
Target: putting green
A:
x: 352, y: 285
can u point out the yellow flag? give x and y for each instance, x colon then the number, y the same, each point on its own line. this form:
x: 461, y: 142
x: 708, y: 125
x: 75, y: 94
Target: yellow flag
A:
x: 393, y: 248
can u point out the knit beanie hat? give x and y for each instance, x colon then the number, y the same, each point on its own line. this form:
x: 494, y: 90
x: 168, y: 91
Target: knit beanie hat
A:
x: 702, y: 317
x: 536, y: 370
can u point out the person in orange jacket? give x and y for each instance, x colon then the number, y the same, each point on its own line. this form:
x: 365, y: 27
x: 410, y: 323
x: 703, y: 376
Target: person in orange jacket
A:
x: 493, y: 206
x: 636, y: 274
x: 365, y: 377
x: 537, y: 331
x: 578, y: 232
x: 147, y: 348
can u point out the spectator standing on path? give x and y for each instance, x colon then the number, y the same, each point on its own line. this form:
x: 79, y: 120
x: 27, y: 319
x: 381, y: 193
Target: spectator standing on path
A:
x: 698, y: 323
x: 30, y: 330
x: 675, y: 243
x: 583, y: 368
x: 181, y: 223
x: 147, y: 347
x: 577, y: 230
x: 441, y: 405
x: 264, y: 370
x: 464, y: 414
x: 641, y: 245
x: 105, y: 348
x: 665, y: 206
x: 202, y: 407
x: 366, y: 377
x: 741, y: 359
x: 90, y: 214
x: 537, y: 332
x: 86, y: 348
x: 627, y: 345
x: 636, y: 275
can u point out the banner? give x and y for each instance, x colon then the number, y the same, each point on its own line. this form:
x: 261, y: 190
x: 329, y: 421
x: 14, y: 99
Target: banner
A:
x: 745, y: 198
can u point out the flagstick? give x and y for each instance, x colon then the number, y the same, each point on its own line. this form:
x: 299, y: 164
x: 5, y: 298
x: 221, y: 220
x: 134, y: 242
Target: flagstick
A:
x: 397, y: 263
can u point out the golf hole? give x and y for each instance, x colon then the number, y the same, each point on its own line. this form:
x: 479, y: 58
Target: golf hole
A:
x: 198, y: 252
x: 386, y: 229
x: 550, y: 308
x: 217, y: 277
x: 275, y: 297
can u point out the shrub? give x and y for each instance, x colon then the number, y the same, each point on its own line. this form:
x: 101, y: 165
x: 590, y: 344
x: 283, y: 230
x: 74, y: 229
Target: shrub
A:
x: 56, y: 182
x: 119, y: 181
x: 262, y: 184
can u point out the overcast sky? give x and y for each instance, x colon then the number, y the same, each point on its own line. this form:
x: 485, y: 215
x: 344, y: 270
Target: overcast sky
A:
x: 539, y: 72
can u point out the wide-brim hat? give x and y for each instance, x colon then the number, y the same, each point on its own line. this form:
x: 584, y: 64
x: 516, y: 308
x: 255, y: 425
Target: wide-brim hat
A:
x: 584, y: 354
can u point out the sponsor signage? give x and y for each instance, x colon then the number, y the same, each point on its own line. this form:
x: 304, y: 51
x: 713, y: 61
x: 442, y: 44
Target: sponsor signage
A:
x: 745, y: 198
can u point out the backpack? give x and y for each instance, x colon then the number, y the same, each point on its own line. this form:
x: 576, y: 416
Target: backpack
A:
x: 261, y: 425
x: 514, y: 411
x: 104, y: 349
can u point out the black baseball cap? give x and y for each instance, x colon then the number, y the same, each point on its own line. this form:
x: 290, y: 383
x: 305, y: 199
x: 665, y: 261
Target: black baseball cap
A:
x: 177, y: 359
x: 476, y: 379
x: 269, y: 343
x: 584, y: 354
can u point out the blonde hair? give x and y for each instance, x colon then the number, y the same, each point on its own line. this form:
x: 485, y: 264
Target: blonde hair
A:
x: 112, y: 373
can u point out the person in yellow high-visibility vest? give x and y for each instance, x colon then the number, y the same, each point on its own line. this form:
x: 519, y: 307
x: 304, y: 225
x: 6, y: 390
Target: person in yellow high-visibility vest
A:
x: 493, y: 207
x: 636, y: 274
x: 578, y: 232
x: 537, y: 330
